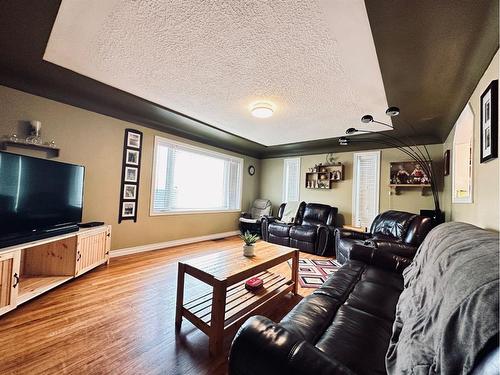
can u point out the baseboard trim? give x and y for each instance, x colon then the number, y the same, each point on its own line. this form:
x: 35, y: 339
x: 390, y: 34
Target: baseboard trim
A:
x: 166, y: 244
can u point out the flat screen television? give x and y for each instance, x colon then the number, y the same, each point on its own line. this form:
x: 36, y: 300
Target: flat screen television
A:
x: 39, y: 198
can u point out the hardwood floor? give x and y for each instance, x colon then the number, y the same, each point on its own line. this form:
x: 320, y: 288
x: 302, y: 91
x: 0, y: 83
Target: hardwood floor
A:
x: 117, y: 319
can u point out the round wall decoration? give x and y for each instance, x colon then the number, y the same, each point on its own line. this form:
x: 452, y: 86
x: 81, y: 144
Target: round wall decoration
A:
x: 251, y: 170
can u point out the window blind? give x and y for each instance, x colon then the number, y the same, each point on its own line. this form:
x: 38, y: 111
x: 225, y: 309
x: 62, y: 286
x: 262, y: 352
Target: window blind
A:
x: 366, y: 188
x: 191, y: 179
x: 291, y: 180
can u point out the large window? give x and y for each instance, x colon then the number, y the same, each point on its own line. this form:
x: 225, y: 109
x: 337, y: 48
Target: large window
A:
x: 291, y: 180
x: 188, y: 179
x: 366, y: 188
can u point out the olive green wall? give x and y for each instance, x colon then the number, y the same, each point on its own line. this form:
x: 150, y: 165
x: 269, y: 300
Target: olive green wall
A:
x: 96, y: 141
x: 341, y: 194
x: 484, y: 210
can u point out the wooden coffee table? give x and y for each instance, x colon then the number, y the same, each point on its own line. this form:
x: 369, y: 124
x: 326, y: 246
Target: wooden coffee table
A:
x: 229, y: 303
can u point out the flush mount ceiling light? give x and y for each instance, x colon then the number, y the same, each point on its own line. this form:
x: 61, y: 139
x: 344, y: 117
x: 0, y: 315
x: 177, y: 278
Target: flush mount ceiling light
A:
x: 262, y: 110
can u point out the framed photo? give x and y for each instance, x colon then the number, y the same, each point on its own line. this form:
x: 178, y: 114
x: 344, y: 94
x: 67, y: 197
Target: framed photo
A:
x: 489, y: 122
x: 129, y: 191
x: 131, y: 174
x: 446, y: 167
x: 132, y: 157
x: 128, y: 209
x: 133, y: 140
x: 409, y: 173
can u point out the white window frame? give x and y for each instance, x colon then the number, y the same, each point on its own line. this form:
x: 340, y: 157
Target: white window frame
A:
x: 459, y: 123
x: 355, y: 183
x: 166, y: 141
x: 284, y: 194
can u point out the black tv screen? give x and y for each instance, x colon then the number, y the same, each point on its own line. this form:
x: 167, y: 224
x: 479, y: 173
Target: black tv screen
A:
x: 38, y: 194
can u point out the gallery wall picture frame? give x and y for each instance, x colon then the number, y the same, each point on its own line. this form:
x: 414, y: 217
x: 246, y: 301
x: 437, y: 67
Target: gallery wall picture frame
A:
x: 489, y: 123
x: 446, y: 167
x: 131, y: 174
x: 128, y: 210
x: 132, y: 157
x: 129, y: 191
x: 131, y: 168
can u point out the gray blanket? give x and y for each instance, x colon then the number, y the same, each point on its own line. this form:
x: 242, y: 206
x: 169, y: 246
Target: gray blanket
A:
x: 448, y: 310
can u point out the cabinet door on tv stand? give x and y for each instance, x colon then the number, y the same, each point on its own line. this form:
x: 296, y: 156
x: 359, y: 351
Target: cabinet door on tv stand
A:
x: 92, y: 250
x: 9, y: 280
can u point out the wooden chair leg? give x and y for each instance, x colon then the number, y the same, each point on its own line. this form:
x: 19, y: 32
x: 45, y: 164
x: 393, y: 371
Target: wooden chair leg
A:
x: 180, y: 296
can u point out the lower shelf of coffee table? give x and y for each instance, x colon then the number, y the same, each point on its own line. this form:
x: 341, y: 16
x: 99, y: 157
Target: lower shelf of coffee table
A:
x: 239, y: 301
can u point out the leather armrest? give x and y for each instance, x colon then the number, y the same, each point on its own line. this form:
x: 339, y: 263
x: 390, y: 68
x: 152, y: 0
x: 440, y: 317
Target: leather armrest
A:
x: 246, y: 215
x: 266, y: 348
x: 344, y: 233
x: 268, y: 219
x: 397, y: 248
x: 382, y: 259
x: 324, y: 239
x: 264, y: 223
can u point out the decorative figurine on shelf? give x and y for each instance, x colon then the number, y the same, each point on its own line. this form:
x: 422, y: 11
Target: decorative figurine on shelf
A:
x: 35, y: 137
x: 419, y: 176
x: 402, y: 175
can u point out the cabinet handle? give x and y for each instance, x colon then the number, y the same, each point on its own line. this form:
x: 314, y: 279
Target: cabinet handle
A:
x: 79, y: 256
x: 16, y: 280
x: 108, y: 235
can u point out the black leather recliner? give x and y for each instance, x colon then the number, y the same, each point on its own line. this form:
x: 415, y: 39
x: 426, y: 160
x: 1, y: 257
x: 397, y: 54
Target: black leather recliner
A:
x: 399, y: 233
x: 312, y: 231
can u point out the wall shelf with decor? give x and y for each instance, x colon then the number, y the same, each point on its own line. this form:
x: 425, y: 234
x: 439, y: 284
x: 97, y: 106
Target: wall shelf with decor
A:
x: 322, y: 176
x: 397, y: 187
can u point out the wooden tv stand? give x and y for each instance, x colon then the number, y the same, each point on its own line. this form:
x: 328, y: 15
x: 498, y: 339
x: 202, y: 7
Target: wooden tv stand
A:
x: 30, y: 269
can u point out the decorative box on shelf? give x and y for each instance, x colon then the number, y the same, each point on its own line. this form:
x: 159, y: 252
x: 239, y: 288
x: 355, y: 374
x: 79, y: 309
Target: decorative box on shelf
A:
x: 321, y: 176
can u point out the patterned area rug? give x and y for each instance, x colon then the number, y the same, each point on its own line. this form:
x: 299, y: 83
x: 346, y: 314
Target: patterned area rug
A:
x: 314, y: 272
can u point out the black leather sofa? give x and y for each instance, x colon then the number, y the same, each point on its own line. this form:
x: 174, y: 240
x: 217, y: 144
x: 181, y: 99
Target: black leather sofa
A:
x: 397, y: 232
x: 351, y: 324
x: 312, y: 231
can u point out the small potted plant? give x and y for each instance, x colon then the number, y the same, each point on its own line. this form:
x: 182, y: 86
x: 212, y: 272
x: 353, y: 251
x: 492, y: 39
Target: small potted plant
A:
x: 250, y: 240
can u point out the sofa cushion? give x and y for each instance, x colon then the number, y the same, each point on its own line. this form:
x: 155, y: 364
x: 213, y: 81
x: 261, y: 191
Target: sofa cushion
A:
x: 383, y: 277
x: 357, y: 338
x: 315, y: 214
x: 392, y: 224
x: 308, y: 247
x: 374, y: 298
x: 311, y: 317
x: 304, y: 233
x: 279, y: 229
x: 283, y: 241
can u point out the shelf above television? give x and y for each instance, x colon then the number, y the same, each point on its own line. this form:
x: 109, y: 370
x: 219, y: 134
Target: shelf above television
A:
x: 51, y: 151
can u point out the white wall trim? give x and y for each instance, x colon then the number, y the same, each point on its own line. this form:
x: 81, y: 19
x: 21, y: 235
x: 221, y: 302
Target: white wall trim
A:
x: 166, y: 244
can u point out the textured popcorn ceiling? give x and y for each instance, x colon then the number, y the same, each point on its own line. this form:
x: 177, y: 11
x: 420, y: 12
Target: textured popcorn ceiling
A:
x: 315, y: 60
